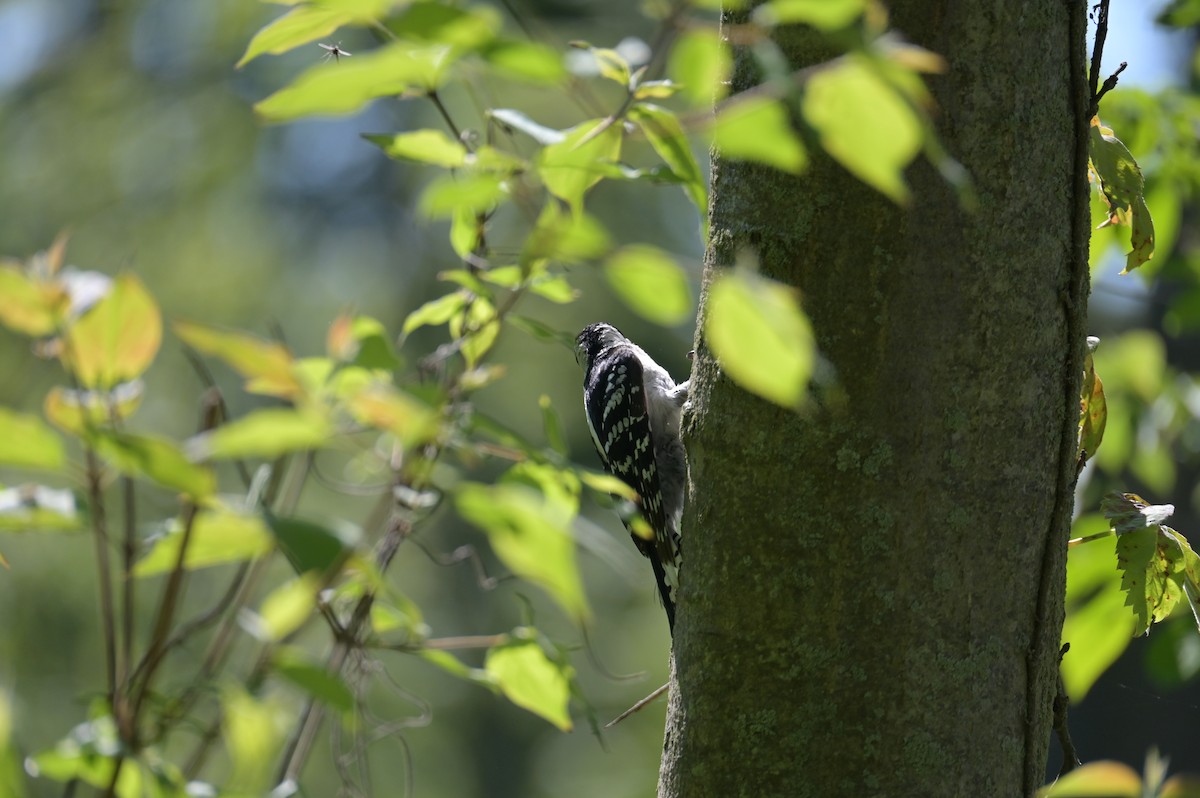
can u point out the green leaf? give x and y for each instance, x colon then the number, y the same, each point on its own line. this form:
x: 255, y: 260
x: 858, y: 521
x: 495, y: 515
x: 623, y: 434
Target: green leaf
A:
x: 758, y: 129
x: 1123, y: 190
x: 1093, y: 409
x: 312, y: 547
x: 827, y: 15
x: 266, y: 365
x: 25, y: 442
x: 651, y: 283
x: 423, y: 146
x: 1097, y: 626
x: 329, y: 89
x: 1151, y: 558
x: 435, y: 312
x: 262, y: 433
x: 564, y: 237
x: 581, y: 160
x: 28, y: 306
x: 87, y: 754
x: 478, y: 326
x: 252, y: 737
x: 391, y: 410
x: 219, y: 536
x: 80, y: 411
x: 530, y: 535
x: 307, y: 23
x: 532, y: 681
x: 611, y: 64
x: 285, y: 609
x: 37, y: 508
x: 531, y: 61
x: 156, y: 459
x: 363, y: 342
x: 117, y: 338
x: 466, y: 192
x: 554, y: 287
x: 864, y: 124
x: 700, y: 63
x: 760, y: 335
x: 666, y: 135
x: 326, y: 687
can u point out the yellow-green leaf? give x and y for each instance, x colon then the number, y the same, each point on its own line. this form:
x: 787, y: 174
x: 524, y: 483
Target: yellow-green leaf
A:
x: 286, y: 608
x: 266, y: 365
x: 651, y: 282
x: 25, y: 442
x: 828, y: 15
x: 1102, y: 779
x: 263, y: 433
x: 218, y: 536
x: 27, y: 306
x: 700, y: 63
x: 252, y: 733
x: 760, y: 335
x: 28, y: 508
x: 391, y: 410
x: 529, y: 679
x: 78, y: 411
x: 864, y: 124
x: 307, y: 23
x: 530, y: 536
x: 758, y: 129
x: 117, y: 338
x: 478, y: 326
x: 328, y: 89
x: 156, y: 459
x: 585, y: 155
x: 666, y: 135
x: 436, y: 311
x: 423, y: 146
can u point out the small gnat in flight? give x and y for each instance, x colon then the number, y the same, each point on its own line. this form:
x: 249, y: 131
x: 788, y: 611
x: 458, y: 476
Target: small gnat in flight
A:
x: 335, y: 51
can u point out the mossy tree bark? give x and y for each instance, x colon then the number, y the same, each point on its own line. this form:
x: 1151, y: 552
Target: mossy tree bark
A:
x: 872, y: 589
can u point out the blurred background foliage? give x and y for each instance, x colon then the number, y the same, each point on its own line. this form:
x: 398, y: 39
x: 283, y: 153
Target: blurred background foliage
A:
x: 125, y: 122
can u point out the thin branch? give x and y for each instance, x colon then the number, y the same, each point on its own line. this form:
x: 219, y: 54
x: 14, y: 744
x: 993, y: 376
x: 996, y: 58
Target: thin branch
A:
x: 128, y: 592
x: 1098, y: 48
x: 638, y: 706
x: 100, y: 536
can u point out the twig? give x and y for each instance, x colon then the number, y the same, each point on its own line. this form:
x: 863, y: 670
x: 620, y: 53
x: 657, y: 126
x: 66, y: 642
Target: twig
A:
x: 128, y: 589
x: 1109, y: 84
x: 637, y: 707
x: 1061, y: 703
x: 100, y: 536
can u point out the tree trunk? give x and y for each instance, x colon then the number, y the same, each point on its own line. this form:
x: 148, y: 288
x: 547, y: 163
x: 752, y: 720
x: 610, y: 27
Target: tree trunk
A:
x: 872, y: 589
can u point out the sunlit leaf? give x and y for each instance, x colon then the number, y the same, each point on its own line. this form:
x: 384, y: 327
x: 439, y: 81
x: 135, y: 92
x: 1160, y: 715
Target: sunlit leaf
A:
x: 554, y: 287
x: 157, y: 459
x: 666, y: 135
x: 363, y: 342
x: 760, y: 335
x: 651, y: 282
x: 607, y: 483
x: 389, y: 409
x: 572, y: 166
x: 525, y: 60
x: 25, y: 442
x: 37, y: 508
x: 252, y: 737
x: 529, y: 679
x: 1093, y: 409
x: 285, y: 609
x: 470, y: 191
x: 423, y: 146
x: 1123, y: 190
x: 828, y: 15
x: 1101, y: 779
x: 308, y: 23
x: 117, y: 338
x: 262, y: 433
x: 530, y: 536
x: 564, y: 237
x: 1155, y: 561
x: 478, y: 326
x: 456, y: 667
x: 864, y: 124
x: 700, y: 63
x: 78, y: 411
x: 390, y: 70
x: 218, y: 536
x: 87, y: 753
x: 435, y: 312
x: 758, y: 129
x: 28, y: 306
x: 266, y: 365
